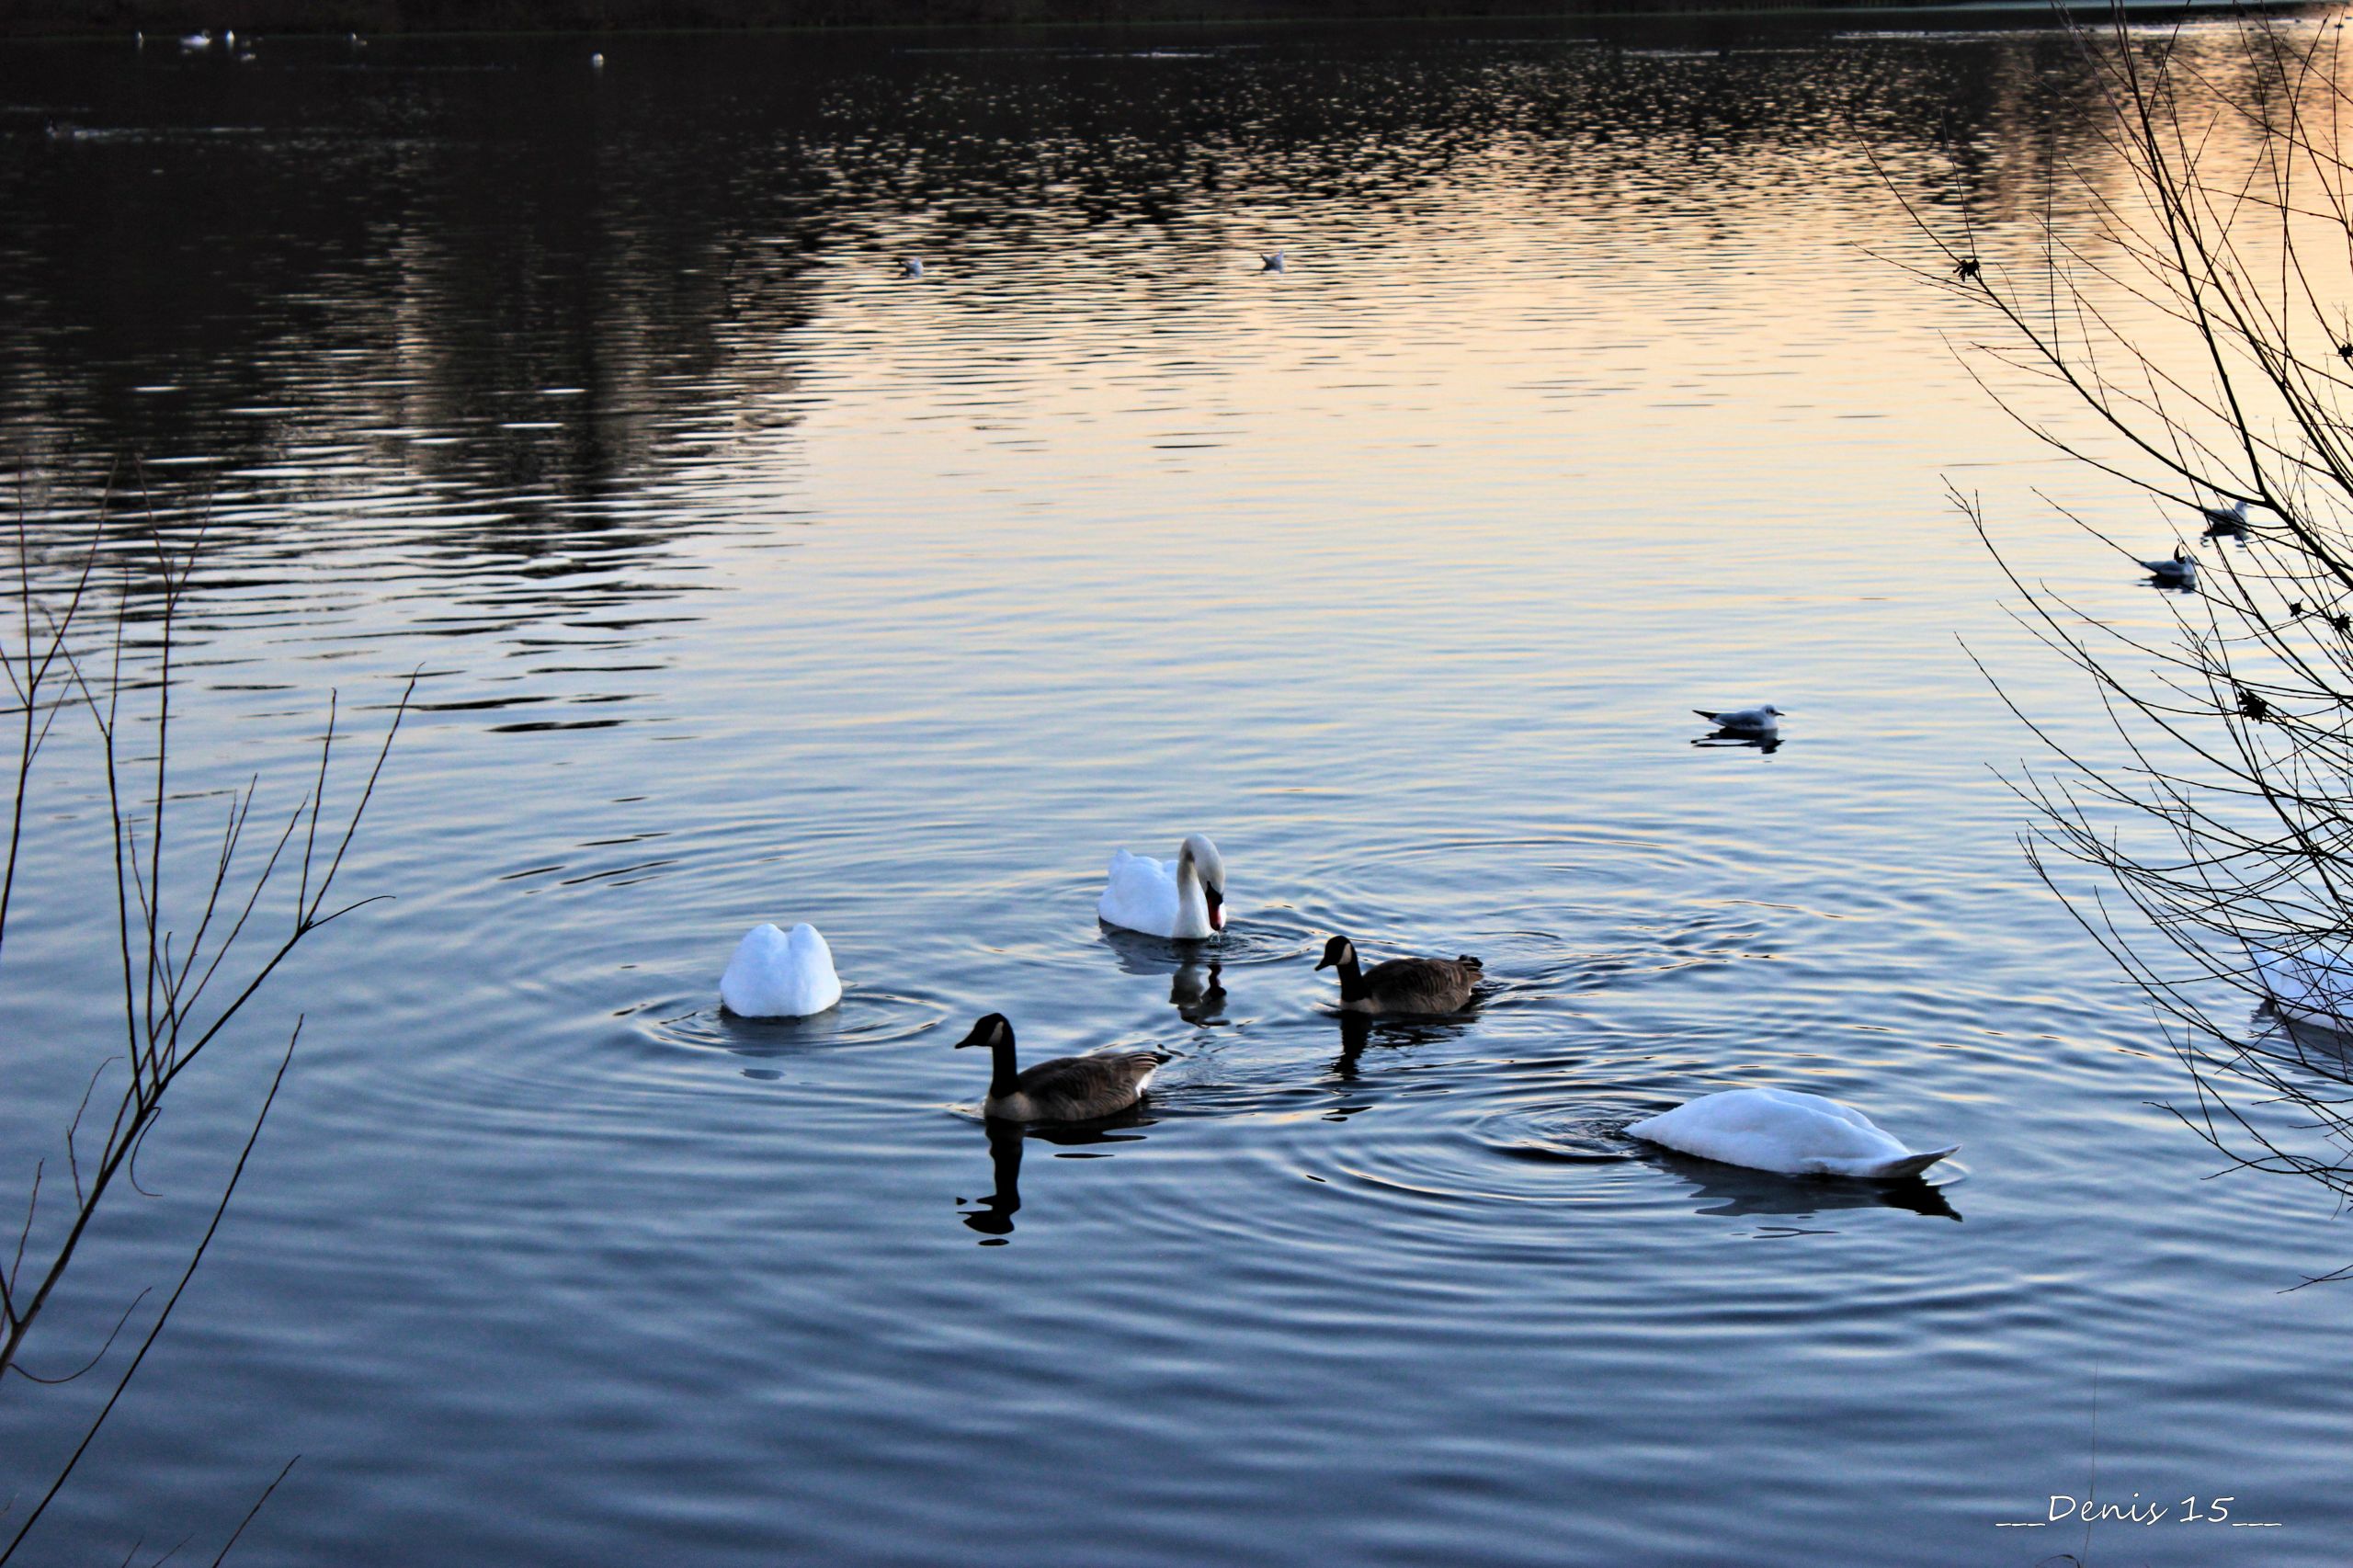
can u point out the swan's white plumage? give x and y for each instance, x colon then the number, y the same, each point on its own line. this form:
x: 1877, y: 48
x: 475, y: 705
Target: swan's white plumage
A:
x: 1165, y: 898
x: 1778, y: 1129
x: 2310, y: 987
x: 776, y: 976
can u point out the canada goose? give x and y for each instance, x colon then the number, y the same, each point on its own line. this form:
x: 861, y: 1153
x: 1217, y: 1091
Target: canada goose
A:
x: 1271, y: 261
x: 911, y: 267
x: 2181, y: 572
x: 1184, y: 899
x: 1401, y: 985
x: 1775, y: 1130
x: 1068, y: 1088
x: 776, y: 976
x: 1764, y: 720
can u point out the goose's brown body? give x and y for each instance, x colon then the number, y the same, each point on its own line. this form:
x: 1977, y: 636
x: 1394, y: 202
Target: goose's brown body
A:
x: 1067, y: 1089
x: 1402, y: 985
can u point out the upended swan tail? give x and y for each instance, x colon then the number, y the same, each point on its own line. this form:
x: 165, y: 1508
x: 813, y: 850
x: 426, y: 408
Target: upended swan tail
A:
x: 1911, y: 1165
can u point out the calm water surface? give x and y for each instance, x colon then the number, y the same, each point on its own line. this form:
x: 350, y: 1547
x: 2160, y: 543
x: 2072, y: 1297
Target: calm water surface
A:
x: 751, y: 581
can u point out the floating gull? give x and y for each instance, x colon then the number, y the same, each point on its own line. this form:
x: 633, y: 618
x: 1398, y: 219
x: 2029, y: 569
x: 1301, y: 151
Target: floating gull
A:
x: 1760, y: 721
x: 2181, y: 572
x: 2225, y: 522
x: 194, y: 43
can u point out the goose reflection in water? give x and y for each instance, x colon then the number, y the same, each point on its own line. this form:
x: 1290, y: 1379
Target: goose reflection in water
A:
x: 1359, y: 1030
x: 992, y: 1216
x: 1736, y: 1192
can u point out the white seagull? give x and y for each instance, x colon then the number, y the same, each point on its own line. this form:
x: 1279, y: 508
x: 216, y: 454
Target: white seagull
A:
x: 2225, y: 522
x: 2181, y: 572
x: 1761, y: 721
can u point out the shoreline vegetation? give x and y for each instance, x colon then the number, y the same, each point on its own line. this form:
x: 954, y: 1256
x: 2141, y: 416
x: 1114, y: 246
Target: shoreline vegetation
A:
x: 167, y: 20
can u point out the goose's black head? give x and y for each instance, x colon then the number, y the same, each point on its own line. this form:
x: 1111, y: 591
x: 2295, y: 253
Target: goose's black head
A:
x: 1338, y: 951
x: 992, y: 1031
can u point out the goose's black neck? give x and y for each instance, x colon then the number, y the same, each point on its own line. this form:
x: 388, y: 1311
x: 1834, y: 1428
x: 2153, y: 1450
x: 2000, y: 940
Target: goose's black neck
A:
x: 1351, y: 977
x: 1002, y: 1072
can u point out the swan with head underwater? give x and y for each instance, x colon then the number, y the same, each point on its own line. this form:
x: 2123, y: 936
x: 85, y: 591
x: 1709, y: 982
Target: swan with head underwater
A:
x: 1782, y: 1130
x: 1182, y: 899
x: 774, y: 976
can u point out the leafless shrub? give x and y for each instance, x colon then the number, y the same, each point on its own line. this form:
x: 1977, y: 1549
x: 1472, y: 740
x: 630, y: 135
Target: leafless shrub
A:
x: 2193, y: 316
x: 190, y: 958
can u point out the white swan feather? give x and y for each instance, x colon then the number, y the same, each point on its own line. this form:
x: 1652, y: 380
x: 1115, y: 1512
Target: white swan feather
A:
x: 1779, y: 1129
x: 774, y: 976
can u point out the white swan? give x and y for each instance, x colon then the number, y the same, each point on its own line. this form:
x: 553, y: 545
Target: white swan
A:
x: 776, y: 976
x: 1775, y: 1130
x: 1184, y: 898
x: 2310, y: 987
x: 1763, y: 720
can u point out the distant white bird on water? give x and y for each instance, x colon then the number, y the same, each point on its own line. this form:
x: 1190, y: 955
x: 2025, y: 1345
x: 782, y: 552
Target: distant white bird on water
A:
x: 2308, y: 987
x: 911, y: 267
x: 595, y: 62
x: 1764, y: 719
x: 1271, y: 261
x: 1184, y: 899
x: 776, y: 976
x: 2181, y: 572
x: 1776, y: 1129
x: 196, y: 42
x: 2225, y: 522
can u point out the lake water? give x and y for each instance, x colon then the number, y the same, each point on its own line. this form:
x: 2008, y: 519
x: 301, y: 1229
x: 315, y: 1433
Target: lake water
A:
x: 751, y: 580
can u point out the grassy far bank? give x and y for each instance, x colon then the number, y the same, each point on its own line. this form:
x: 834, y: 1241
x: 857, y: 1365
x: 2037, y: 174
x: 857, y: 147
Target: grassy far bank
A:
x: 165, y: 19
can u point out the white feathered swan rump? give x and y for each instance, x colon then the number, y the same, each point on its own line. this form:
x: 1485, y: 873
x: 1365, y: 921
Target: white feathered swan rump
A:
x: 1782, y: 1130
x: 774, y: 976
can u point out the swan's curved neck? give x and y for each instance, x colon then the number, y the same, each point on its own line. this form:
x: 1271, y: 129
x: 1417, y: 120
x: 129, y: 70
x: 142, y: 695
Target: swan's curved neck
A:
x: 1192, y: 893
